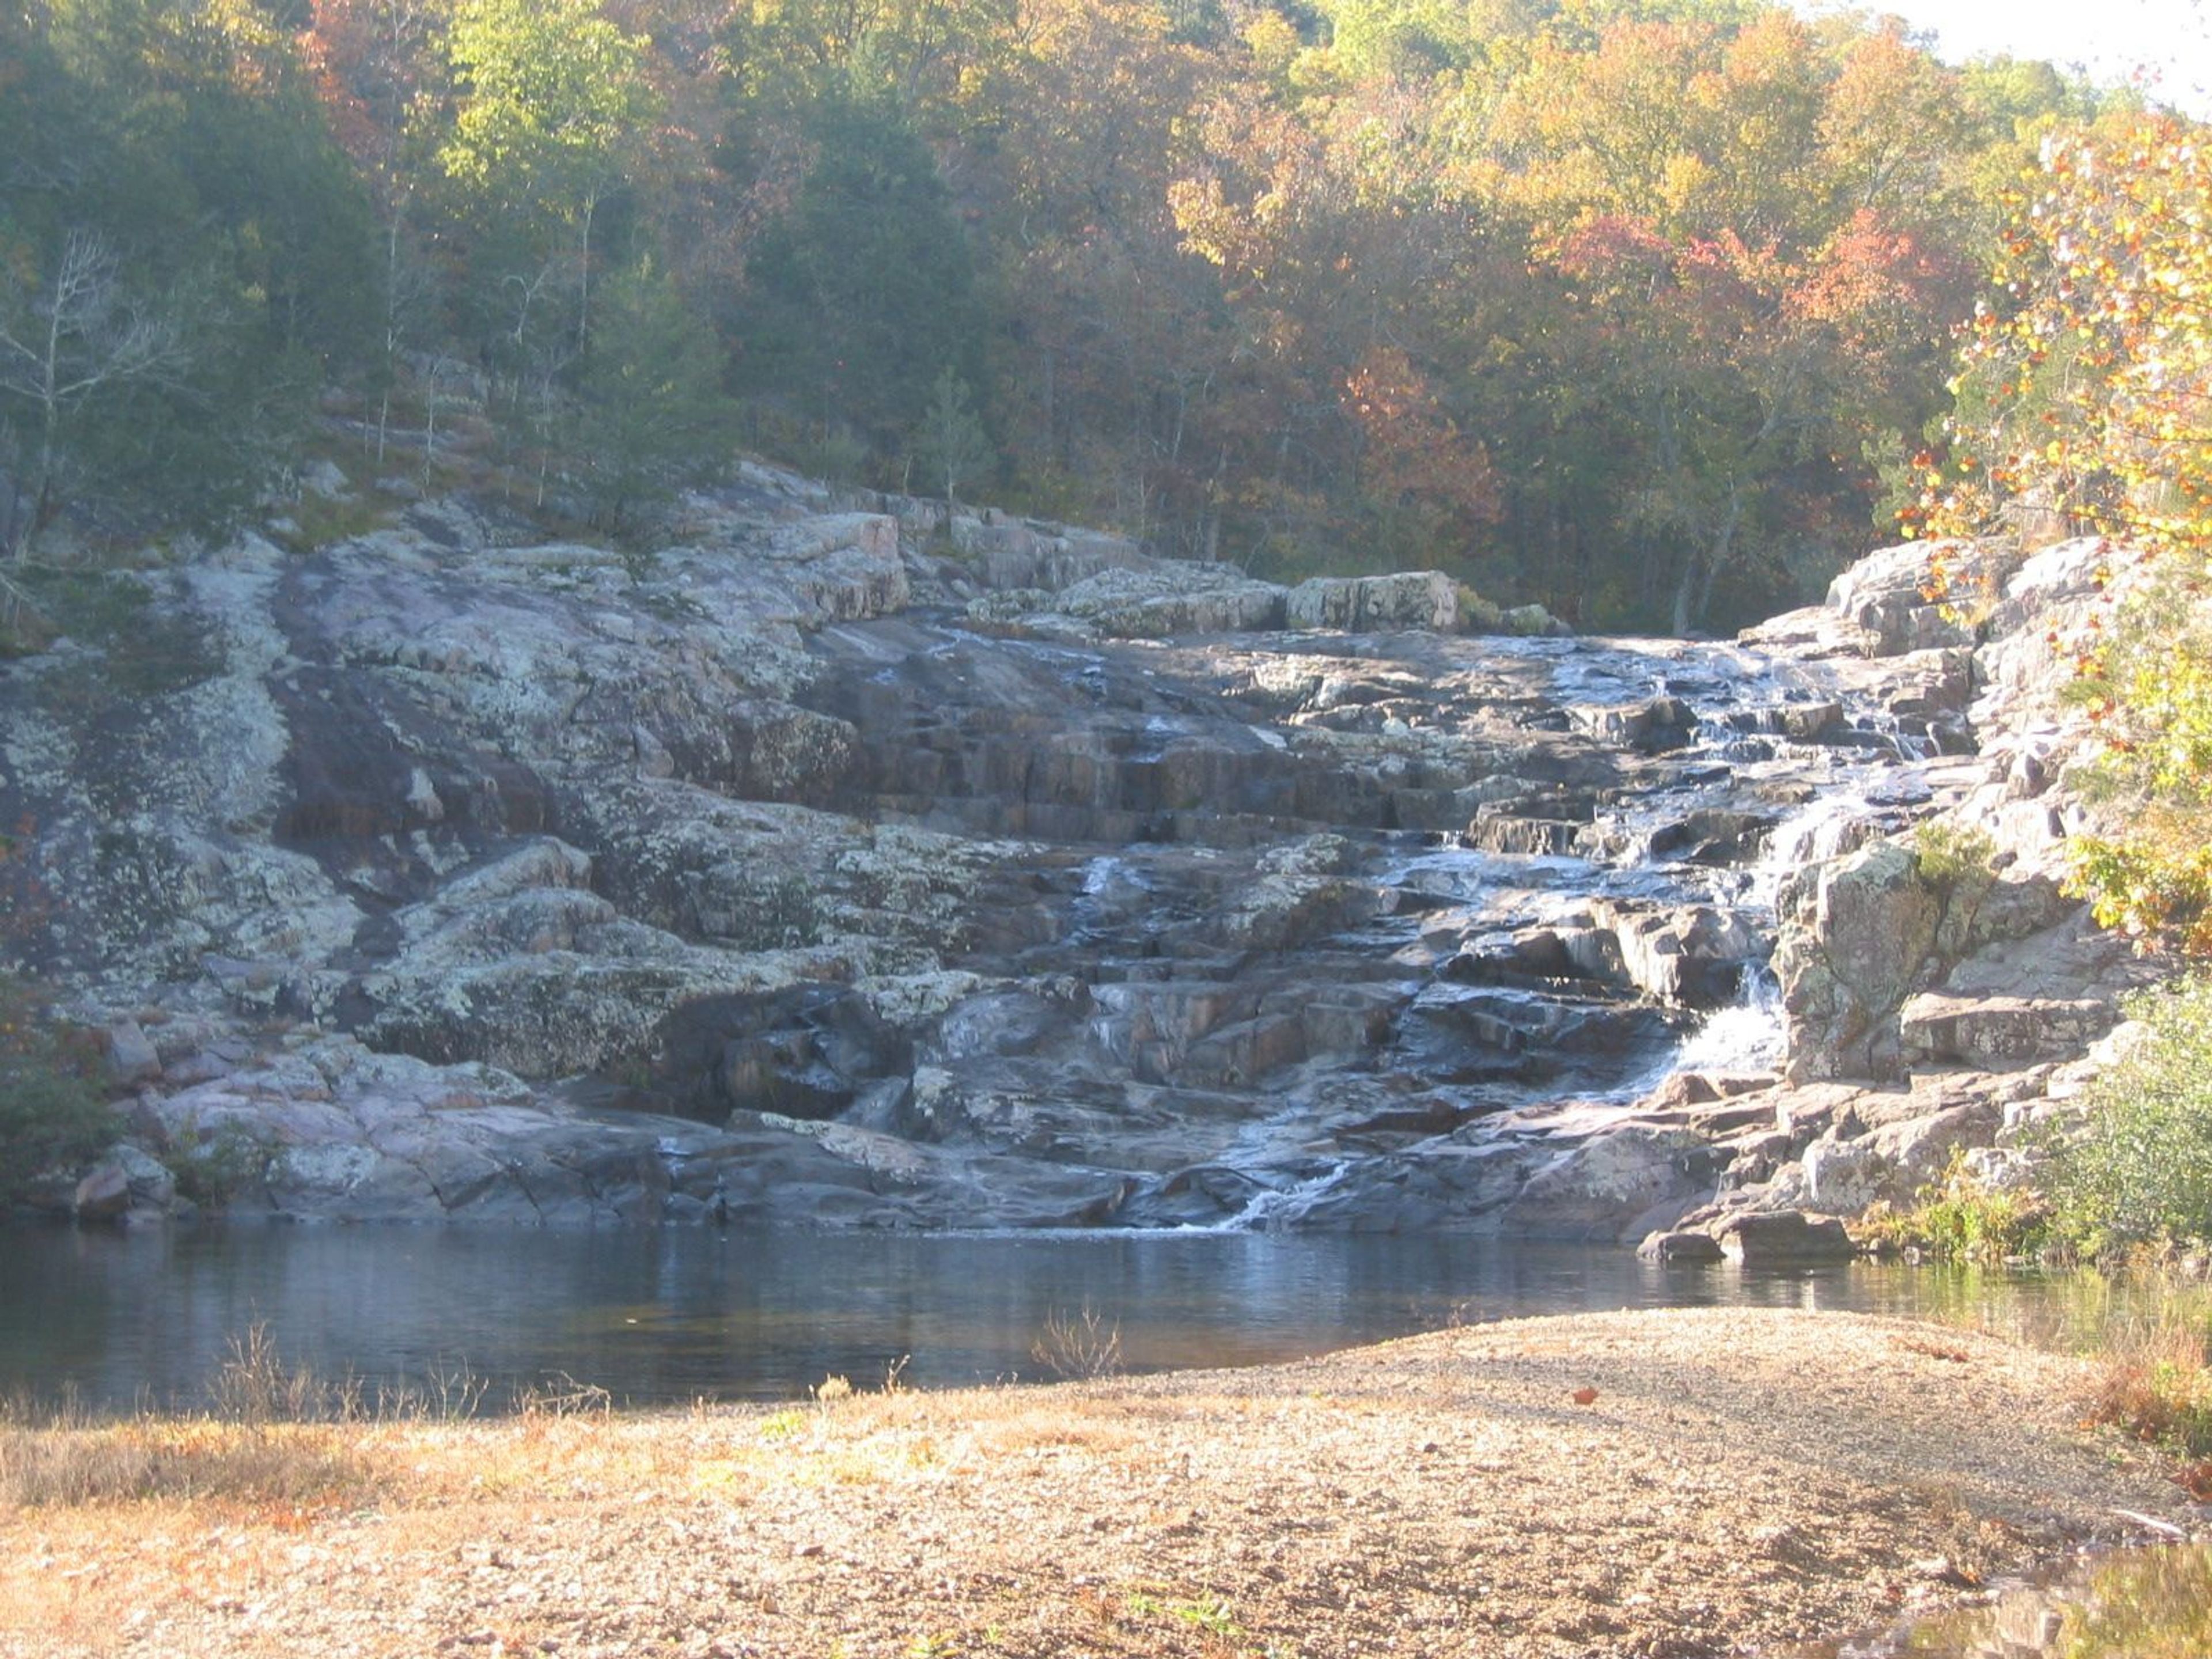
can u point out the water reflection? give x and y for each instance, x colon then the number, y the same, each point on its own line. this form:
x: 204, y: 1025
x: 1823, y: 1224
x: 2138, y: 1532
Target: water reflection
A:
x: 674, y: 1316
x: 2133, y: 1604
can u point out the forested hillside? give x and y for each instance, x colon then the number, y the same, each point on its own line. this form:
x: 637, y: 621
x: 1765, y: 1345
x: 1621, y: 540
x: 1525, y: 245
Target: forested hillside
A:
x: 1637, y: 307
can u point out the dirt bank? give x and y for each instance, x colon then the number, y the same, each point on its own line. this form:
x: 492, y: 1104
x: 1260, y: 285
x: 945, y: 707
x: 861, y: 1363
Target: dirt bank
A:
x: 1699, y: 1482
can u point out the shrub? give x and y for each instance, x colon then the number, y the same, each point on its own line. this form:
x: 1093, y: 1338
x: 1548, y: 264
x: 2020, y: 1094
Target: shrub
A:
x: 2150, y: 691
x: 1953, y: 858
x: 1959, y: 1216
x: 211, y: 1168
x: 1079, y: 1346
x: 2139, y: 1169
x: 52, y: 1114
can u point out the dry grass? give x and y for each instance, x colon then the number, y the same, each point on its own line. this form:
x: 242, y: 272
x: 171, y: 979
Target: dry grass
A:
x: 2153, y: 1378
x: 59, y: 1461
x: 2145, y: 1332
x: 274, y: 1433
x: 1740, y: 1479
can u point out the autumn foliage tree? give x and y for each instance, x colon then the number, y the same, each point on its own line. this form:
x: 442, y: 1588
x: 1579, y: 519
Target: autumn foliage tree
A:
x: 2086, y: 403
x: 1634, y: 306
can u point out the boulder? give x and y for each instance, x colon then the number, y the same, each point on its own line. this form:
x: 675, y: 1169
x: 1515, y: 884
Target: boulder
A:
x: 1998, y: 1033
x: 1017, y: 555
x: 1681, y: 1248
x: 1410, y: 598
x: 845, y: 567
x: 1532, y: 622
x: 152, y: 1185
x: 1890, y: 593
x: 104, y: 1194
x: 1893, y: 1164
x: 1661, y: 723
x: 131, y: 1057
x: 1690, y: 958
x: 1785, y: 1238
x: 1856, y: 938
x: 1165, y: 598
x: 1619, y: 1185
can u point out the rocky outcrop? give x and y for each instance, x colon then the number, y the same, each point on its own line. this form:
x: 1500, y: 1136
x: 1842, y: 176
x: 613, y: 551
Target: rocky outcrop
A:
x: 1136, y: 598
x: 843, y: 862
x: 1423, y: 598
x: 1946, y: 968
x: 1900, y: 605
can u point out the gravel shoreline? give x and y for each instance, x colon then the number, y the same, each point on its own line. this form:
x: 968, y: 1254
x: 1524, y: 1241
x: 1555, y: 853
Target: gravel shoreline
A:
x: 1657, y: 1484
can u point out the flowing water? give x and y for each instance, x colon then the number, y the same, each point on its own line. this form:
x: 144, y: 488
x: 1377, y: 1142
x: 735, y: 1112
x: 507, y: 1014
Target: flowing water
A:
x: 680, y: 1313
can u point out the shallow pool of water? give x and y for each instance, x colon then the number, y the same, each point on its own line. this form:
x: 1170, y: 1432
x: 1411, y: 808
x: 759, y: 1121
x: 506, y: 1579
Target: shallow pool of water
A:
x: 2130, y: 1604
x: 120, y: 1318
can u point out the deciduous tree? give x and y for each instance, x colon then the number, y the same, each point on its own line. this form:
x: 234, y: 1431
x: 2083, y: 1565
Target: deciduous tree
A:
x: 2085, y: 403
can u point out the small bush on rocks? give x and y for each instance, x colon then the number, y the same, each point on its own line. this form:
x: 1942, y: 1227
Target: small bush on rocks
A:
x: 1959, y: 1216
x: 212, y: 1168
x: 52, y: 1114
x: 1953, y: 858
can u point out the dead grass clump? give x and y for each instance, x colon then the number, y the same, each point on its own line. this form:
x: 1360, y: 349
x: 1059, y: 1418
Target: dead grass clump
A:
x: 1079, y: 1346
x: 2154, y: 1381
x: 561, y: 1397
x: 67, y: 1460
x: 254, y: 1384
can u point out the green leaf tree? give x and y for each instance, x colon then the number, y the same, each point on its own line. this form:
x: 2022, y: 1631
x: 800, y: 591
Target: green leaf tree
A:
x: 951, y: 445
x: 2086, y: 403
x: 652, y: 415
x: 865, y: 288
x: 548, y: 92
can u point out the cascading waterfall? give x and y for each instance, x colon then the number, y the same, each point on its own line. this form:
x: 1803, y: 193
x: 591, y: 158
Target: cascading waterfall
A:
x: 1750, y: 1034
x: 1273, y: 1207
x: 1500, y: 893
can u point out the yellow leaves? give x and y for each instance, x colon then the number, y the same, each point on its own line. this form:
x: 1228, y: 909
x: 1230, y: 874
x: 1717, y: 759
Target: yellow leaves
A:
x: 2102, y: 353
x: 552, y: 86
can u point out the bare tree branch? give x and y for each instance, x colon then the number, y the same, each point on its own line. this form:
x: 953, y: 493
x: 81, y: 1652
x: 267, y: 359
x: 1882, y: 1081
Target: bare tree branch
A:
x: 83, y: 333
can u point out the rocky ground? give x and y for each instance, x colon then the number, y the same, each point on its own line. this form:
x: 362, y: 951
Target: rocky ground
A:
x: 1687, y: 1483
x: 835, y: 862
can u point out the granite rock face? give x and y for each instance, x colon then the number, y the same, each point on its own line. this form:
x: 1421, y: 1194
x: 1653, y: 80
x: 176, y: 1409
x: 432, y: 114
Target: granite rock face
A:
x: 841, y: 864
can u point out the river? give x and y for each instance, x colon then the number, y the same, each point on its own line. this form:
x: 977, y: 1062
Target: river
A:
x: 123, y: 1317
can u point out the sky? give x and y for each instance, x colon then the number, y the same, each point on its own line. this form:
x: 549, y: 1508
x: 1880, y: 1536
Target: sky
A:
x: 2113, y: 39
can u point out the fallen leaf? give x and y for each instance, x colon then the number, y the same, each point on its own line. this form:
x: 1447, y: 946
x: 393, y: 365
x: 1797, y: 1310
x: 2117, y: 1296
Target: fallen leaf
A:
x: 1933, y: 1350
x: 1585, y: 1397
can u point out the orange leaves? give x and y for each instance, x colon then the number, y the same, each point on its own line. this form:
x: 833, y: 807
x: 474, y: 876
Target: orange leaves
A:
x: 1412, y: 450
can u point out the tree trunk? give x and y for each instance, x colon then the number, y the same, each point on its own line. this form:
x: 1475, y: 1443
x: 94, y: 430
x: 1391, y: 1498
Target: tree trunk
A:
x: 1693, y: 593
x: 391, y: 333
x: 584, y: 274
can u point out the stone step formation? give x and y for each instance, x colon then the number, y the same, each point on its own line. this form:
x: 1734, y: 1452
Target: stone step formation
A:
x: 830, y: 867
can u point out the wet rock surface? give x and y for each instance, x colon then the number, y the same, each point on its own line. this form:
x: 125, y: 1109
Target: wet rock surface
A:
x: 843, y: 866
